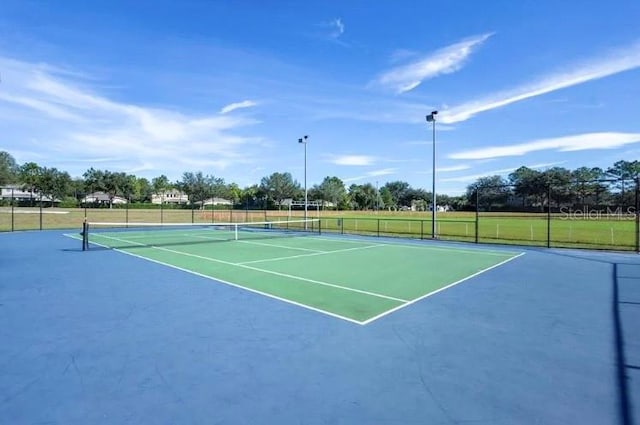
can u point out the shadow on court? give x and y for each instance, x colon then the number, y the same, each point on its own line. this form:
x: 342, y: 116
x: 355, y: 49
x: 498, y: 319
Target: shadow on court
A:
x: 625, y: 310
x: 626, y: 316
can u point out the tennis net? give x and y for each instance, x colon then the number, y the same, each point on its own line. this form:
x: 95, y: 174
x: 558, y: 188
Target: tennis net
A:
x: 131, y: 235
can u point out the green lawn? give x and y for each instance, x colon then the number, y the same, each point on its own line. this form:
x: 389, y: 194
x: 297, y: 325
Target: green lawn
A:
x: 513, y: 228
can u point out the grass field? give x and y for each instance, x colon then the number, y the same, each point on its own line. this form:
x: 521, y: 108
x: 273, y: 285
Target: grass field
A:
x: 605, y: 232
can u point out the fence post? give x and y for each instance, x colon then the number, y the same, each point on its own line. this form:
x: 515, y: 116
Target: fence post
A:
x: 162, y: 209
x: 378, y: 227
x: 421, y: 229
x: 638, y: 215
x: 13, y: 202
x: 41, y: 211
x: 549, y: 216
x: 477, y: 213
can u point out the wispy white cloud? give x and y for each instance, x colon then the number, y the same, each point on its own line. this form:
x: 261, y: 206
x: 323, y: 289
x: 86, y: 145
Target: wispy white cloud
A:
x: 613, y: 63
x: 563, y: 144
x: 375, y: 173
x: 48, y: 108
x: 452, y: 168
x: 87, y: 126
x: 473, y: 177
x: 337, y: 28
x: 238, y: 105
x: 359, y: 160
x: 500, y: 172
x: 545, y: 165
x: 402, y: 55
x: 443, y: 61
x: 332, y: 30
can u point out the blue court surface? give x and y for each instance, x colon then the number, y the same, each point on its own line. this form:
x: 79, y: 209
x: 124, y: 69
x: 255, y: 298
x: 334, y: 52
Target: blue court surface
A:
x: 102, y: 337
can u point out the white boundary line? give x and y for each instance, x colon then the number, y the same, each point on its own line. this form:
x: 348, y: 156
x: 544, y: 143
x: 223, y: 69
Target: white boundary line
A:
x: 255, y: 291
x: 371, y: 319
x: 340, y: 238
x: 365, y: 322
x: 215, y: 260
x: 266, y: 260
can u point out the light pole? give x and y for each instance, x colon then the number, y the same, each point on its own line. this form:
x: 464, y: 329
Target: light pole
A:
x: 432, y: 119
x: 303, y: 140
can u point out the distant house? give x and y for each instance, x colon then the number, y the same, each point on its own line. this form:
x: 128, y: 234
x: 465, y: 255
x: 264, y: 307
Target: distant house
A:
x: 102, y: 198
x: 17, y: 194
x: 173, y: 196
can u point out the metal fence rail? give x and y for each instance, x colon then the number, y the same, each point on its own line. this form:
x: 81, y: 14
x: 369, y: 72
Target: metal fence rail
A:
x: 558, y: 217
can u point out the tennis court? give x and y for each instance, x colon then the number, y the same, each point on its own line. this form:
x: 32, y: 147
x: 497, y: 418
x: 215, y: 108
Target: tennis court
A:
x: 355, y: 280
x: 242, y: 324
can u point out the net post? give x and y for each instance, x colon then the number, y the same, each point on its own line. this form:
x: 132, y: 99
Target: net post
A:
x: 319, y: 226
x: 85, y: 239
x: 235, y: 228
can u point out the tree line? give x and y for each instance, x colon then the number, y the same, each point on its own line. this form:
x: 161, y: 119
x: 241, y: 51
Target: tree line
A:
x: 528, y: 186
x: 271, y: 192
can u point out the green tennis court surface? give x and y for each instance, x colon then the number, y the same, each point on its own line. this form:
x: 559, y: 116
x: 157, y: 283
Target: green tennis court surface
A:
x: 355, y: 280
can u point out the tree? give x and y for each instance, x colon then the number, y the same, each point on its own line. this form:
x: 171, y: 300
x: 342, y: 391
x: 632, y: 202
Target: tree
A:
x: 143, y: 190
x: 111, y: 183
x: 332, y: 190
x: 558, y: 183
x: 94, y: 180
x: 250, y: 195
x: 386, y: 199
x: 195, y: 185
x: 363, y: 197
x: 29, y: 176
x: 398, y: 191
x: 625, y: 171
x: 8, y: 169
x: 234, y: 193
x: 115, y: 184
x: 585, y: 182
x: 419, y: 196
x: 53, y: 183
x: 78, y: 188
x: 530, y: 185
x: 492, y: 191
x: 217, y: 187
x: 280, y: 186
x: 160, y: 186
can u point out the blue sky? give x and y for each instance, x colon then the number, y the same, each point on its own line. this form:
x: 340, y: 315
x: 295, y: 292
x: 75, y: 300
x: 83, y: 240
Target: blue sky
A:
x: 228, y: 87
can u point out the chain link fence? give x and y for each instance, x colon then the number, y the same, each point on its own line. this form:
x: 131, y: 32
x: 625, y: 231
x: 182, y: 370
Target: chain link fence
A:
x: 602, y: 214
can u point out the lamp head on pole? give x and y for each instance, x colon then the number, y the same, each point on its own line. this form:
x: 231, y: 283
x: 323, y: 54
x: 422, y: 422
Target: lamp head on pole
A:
x: 432, y: 116
x: 303, y: 139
